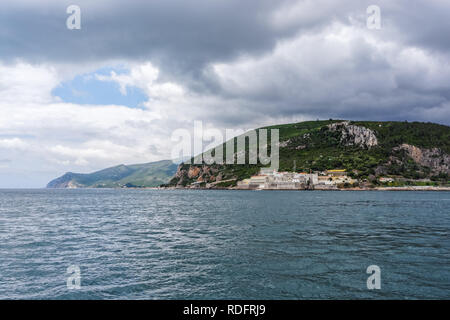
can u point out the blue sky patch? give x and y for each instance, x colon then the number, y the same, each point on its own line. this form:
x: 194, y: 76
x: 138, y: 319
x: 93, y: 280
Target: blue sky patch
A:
x: 86, y: 89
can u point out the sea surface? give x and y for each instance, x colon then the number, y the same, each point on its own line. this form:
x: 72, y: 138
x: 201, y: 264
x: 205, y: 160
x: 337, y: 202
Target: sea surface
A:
x: 189, y: 244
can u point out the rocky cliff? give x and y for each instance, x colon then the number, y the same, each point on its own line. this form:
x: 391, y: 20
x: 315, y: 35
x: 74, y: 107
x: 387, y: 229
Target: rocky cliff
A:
x: 435, y: 159
x: 366, y: 150
x: 352, y: 135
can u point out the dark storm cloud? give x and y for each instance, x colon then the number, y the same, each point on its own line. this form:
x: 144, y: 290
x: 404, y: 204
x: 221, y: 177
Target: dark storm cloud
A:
x: 185, y: 34
x: 419, y: 23
x: 188, y: 34
x: 184, y: 38
x: 179, y: 36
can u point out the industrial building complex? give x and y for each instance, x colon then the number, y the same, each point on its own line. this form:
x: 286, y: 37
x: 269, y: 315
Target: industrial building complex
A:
x: 270, y: 179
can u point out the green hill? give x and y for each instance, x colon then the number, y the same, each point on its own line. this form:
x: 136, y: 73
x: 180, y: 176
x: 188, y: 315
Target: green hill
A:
x: 150, y: 174
x: 365, y: 149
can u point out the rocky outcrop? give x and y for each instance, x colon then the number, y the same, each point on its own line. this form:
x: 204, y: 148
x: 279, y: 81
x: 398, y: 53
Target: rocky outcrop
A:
x: 186, y: 174
x: 437, y: 160
x: 193, y: 172
x: 292, y: 144
x: 352, y: 135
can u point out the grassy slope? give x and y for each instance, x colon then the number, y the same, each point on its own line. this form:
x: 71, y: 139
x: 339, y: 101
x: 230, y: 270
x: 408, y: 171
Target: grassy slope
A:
x: 323, y: 149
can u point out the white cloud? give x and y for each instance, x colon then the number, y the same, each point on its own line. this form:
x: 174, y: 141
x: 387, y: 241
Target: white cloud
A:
x: 21, y: 83
x: 145, y: 76
x: 14, y: 143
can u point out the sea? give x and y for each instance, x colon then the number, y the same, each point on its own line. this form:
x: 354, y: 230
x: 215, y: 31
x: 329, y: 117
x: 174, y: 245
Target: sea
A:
x: 223, y: 244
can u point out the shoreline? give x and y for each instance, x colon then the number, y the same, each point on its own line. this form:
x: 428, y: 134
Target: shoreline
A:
x: 409, y: 188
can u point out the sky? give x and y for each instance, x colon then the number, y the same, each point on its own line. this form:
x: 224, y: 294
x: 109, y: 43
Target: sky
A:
x: 116, y: 90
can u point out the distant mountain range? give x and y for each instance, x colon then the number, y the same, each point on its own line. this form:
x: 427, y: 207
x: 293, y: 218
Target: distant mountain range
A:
x: 413, y: 152
x: 150, y: 174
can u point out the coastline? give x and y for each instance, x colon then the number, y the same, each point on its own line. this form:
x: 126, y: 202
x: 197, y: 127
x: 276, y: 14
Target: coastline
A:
x: 409, y: 188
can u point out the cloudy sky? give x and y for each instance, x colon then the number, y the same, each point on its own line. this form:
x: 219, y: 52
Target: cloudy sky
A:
x: 114, y: 91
